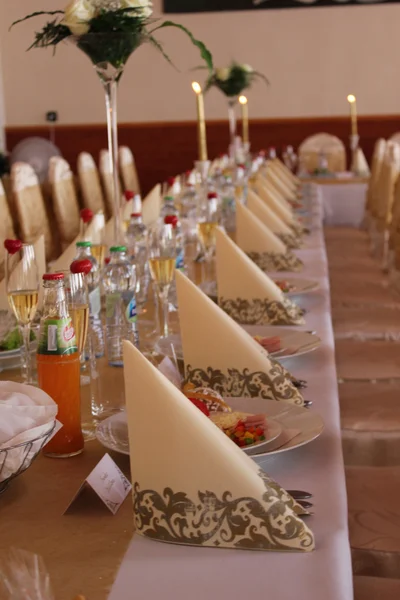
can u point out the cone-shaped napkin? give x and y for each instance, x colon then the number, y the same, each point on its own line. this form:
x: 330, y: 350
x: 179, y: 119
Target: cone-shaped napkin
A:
x: 280, y: 166
x: 261, y: 245
x: 279, y: 184
x: 271, y: 220
x: 359, y: 165
x: 219, y: 354
x: 192, y: 485
x: 40, y: 253
x: 151, y: 206
x: 247, y: 294
x: 272, y: 199
x: 262, y: 180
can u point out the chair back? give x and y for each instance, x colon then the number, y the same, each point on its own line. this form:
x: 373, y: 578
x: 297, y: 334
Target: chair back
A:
x: 30, y: 207
x: 395, y: 137
x: 65, y: 201
x: 127, y: 167
x: 387, y: 181
x: 89, y: 182
x: 107, y: 181
x: 6, y: 228
x: 332, y: 147
x: 376, y: 167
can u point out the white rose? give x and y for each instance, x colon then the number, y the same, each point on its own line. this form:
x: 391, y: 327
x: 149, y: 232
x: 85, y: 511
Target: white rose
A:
x: 146, y: 7
x: 247, y: 68
x: 223, y: 74
x: 76, y: 16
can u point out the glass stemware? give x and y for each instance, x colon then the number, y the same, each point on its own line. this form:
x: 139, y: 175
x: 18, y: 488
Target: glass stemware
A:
x: 162, y: 259
x: 209, y: 217
x: 22, y: 285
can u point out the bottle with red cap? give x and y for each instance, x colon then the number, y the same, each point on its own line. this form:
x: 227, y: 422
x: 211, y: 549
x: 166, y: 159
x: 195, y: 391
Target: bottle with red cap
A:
x: 168, y: 208
x: 58, y: 367
x: 136, y: 242
x: 179, y: 240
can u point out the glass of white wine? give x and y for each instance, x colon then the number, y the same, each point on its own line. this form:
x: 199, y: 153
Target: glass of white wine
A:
x: 22, y: 284
x: 209, y: 217
x: 162, y: 259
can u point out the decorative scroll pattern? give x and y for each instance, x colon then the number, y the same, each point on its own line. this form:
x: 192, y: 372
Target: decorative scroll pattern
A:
x: 263, y: 312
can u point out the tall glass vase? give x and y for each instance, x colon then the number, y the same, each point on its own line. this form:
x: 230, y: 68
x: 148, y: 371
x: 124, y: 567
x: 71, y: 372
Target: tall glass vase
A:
x: 232, y: 127
x: 109, y: 77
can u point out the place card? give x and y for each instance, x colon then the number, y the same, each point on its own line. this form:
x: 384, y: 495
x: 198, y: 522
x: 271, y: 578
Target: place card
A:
x: 108, y: 483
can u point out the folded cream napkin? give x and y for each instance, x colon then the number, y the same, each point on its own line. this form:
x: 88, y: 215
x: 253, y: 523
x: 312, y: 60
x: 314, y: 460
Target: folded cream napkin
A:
x: 277, y: 182
x: 285, y: 173
x: 272, y: 220
x: 193, y: 485
x: 221, y: 355
x: 272, y: 199
x: 261, y: 245
x: 41, y: 263
x: 151, y: 206
x: 23, y: 408
x: 246, y: 293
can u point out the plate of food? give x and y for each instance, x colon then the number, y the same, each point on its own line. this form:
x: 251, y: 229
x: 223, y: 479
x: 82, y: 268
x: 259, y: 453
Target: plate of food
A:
x: 286, y: 427
x: 279, y: 342
x: 251, y: 432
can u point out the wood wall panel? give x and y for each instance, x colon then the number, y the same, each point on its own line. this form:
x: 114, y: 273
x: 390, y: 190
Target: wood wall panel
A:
x: 162, y: 149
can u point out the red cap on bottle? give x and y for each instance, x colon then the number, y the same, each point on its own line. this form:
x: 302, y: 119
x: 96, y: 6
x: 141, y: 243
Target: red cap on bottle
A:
x: 82, y: 265
x: 242, y: 166
x: 188, y: 173
x: 171, y: 220
x: 212, y: 195
x: 171, y: 181
x: 12, y: 246
x: 129, y: 195
x: 107, y: 260
x: 86, y: 215
x: 53, y: 276
x: 136, y: 214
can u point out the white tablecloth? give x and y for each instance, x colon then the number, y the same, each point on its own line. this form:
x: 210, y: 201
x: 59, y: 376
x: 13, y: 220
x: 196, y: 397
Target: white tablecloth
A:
x: 152, y: 570
x: 343, y: 204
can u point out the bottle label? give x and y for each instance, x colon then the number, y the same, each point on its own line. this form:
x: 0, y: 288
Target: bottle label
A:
x: 57, y: 337
x: 118, y: 303
x: 131, y: 312
x: 112, y: 301
x: 95, y: 302
x: 180, y: 261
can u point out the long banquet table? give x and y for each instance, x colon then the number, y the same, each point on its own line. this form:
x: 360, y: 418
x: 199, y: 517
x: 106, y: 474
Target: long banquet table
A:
x: 153, y: 569
x: 84, y: 548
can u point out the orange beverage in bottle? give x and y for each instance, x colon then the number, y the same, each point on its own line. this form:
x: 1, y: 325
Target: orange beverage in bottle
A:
x: 58, y: 367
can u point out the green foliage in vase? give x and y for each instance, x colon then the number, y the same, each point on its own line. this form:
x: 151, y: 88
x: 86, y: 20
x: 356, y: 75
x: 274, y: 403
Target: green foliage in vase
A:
x: 108, y: 31
x: 233, y: 80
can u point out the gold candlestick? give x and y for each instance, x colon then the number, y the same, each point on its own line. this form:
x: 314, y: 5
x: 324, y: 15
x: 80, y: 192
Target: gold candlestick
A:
x: 353, y: 113
x: 245, y: 119
x: 201, y: 122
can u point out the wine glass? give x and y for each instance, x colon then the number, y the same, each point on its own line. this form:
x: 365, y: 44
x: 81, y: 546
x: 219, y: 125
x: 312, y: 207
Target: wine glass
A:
x: 22, y: 285
x: 209, y: 217
x: 162, y: 260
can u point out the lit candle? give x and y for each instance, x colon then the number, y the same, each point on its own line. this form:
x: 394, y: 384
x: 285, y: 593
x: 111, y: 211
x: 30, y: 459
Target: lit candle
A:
x: 201, y: 123
x: 353, y: 113
x: 245, y: 119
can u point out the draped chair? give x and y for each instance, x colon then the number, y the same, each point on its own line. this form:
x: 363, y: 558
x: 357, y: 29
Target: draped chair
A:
x: 30, y: 208
x: 107, y: 180
x: 389, y: 174
x: 89, y: 181
x: 395, y: 137
x: 376, y: 166
x: 65, y: 202
x: 127, y: 167
x: 333, y: 148
x: 6, y: 228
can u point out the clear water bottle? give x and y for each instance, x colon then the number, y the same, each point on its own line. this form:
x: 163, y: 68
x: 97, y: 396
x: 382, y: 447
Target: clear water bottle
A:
x: 136, y: 241
x: 119, y: 283
x: 83, y: 250
x: 168, y: 208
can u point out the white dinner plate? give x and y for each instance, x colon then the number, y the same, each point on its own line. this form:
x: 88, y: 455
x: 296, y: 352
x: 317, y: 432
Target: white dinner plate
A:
x: 293, y: 342
x: 303, y: 424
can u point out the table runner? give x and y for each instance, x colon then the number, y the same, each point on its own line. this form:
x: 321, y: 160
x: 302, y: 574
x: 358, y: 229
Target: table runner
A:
x: 343, y: 203
x: 152, y: 569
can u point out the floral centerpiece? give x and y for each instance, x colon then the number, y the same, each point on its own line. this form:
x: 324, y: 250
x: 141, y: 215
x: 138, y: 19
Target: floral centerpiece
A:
x: 232, y: 81
x: 108, y: 31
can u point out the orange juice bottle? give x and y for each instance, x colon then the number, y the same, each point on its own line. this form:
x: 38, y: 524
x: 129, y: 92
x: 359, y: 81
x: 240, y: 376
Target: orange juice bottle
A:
x: 58, y: 367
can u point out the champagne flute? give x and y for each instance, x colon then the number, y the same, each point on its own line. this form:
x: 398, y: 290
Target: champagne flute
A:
x: 162, y: 259
x: 209, y: 217
x: 22, y: 285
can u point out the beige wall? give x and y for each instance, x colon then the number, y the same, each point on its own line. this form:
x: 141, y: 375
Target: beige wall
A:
x: 313, y: 58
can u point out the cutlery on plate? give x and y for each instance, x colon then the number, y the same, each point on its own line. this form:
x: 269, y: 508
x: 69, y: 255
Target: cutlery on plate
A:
x: 300, y: 494
x: 304, y: 503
